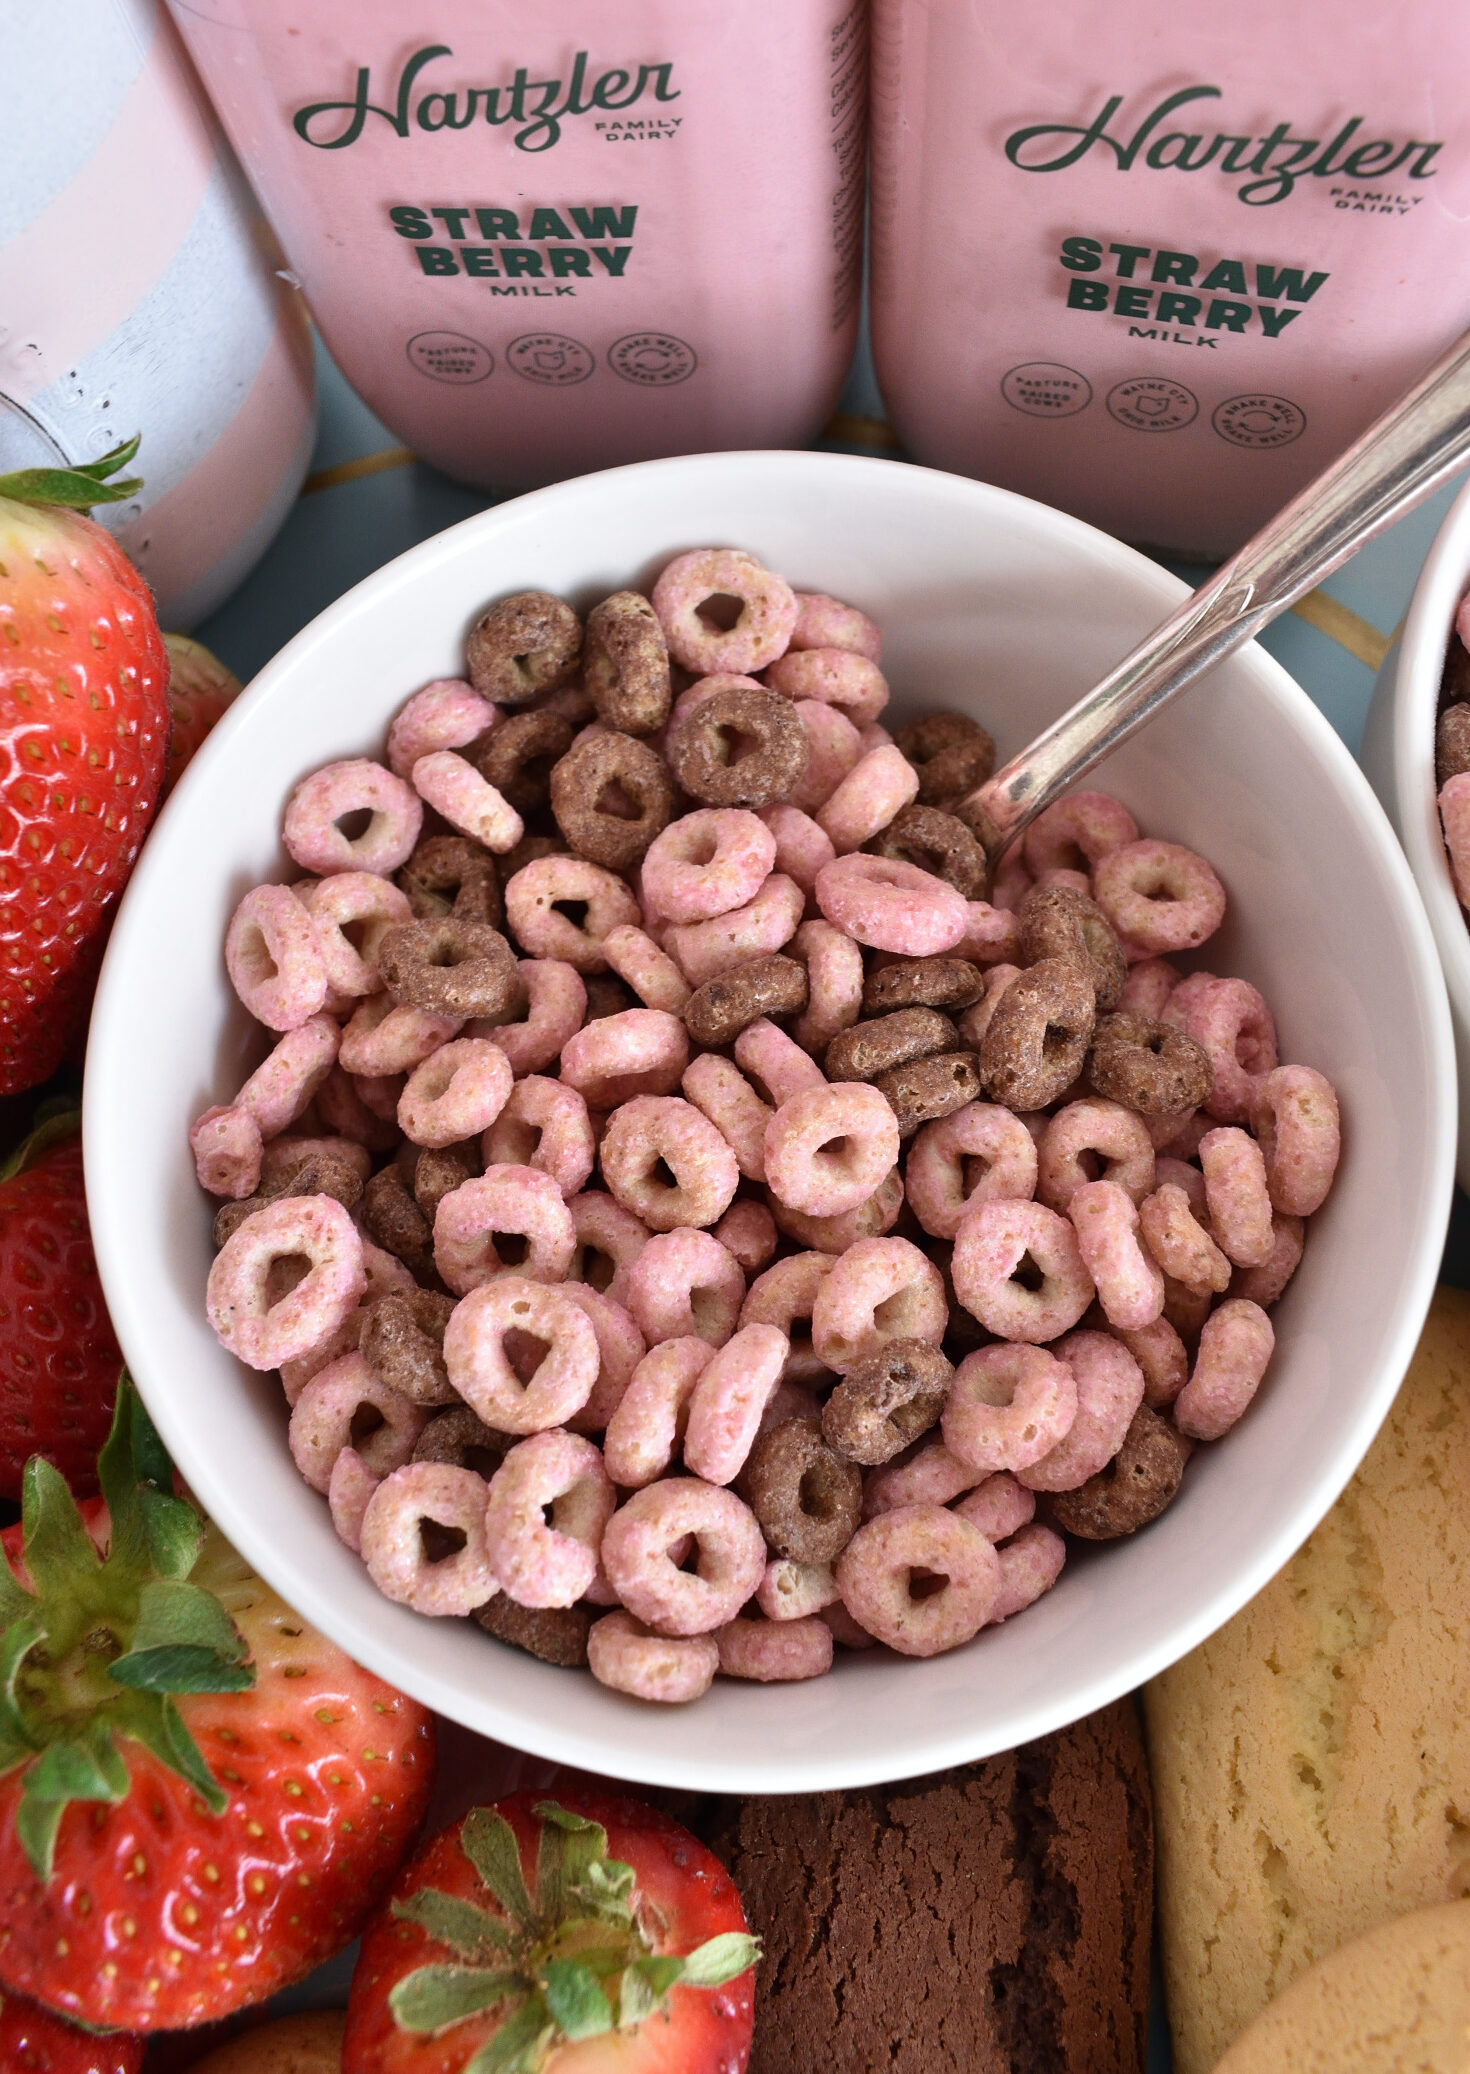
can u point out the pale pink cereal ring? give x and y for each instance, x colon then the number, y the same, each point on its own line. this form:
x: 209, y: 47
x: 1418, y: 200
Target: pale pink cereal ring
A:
x: 647, y: 1429
x: 541, y: 1564
x: 1007, y: 1407
x: 879, y: 1290
x: 774, y: 1652
x: 1147, y: 989
x: 760, y: 633
x: 704, y: 949
x: 1164, y: 1132
x: 1265, y: 1282
x: 537, y: 893
x: 685, y: 1284
x: 651, y: 973
x: 337, y: 791
x: 976, y: 1020
x: 845, y: 1631
x: 264, y: 1334
x: 457, y: 1092
x: 794, y: 1591
x: 1235, y: 1189
x: 1295, y: 1119
x: 1011, y: 882
x: 924, y: 1474
x: 506, y: 1325
x: 284, y: 1083
x: 802, y: 845
x: 1159, y: 895
x: 545, y: 1125
x: 620, y: 1348
x: 748, y: 1233
x: 1109, y: 1391
x: 834, y: 972
x: 874, y: 790
x: 1130, y: 1287
x: 1235, y: 1345
x: 323, y: 1417
x: 892, y: 906
x: 1073, y: 833
x: 368, y: 905
x: 447, y: 714
x: 999, y: 1507
x: 1076, y: 881
x: 729, y: 1398
x: 874, y: 1216
x: 1161, y: 1354
x: 833, y: 746
x: 343, y: 1110
x: 295, y: 1375
x: 451, y: 785
x: 384, y: 1272
x: 785, y: 1296
x: 992, y: 935
x: 653, y: 1132
x: 352, y: 1484
x: 609, y: 1240
x: 873, y: 736
x: 992, y: 1243
x: 721, y: 1092
x: 1094, y: 1140
x: 875, y: 1574
x: 393, y: 1539
x: 642, y: 1051
x: 1190, y: 1179
x: 226, y: 1145
x: 823, y: 622
x: 837, y: 677
x: 708, y: 863
x: 1179, y: 1242
x: 556, y: 1006
x: 981, y: 1154
x: 381, y: 1093
x: 775, y: 1062
x: 1029, y: 1566
x: 829, y: 1148
x: 1454, y: 814
x: 384, y: 1038
x: 625, y: 1655
x: 274, y: 963
x: 508, y: 1200
x: 637, y: 1555
x: 1232, y: 1023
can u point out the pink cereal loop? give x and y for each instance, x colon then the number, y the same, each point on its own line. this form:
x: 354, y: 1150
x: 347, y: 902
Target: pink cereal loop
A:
x: 874, y: 1216
x: 1235, y: 1345
x: 450, y: 784
x: 393, y: 1542
x: 833, y: 746
x: 1159, y: 895
x: 1012, y: 882
x: 273, y: 960
x: 685, y: 1284
x: 774, y: 1652
x: 785, y: 1296
x: 802, y: 845
x: 879, y: 1290
x: 1265, y: 1283
x: 557, y: 1005
x: 447, y: 714
x: 539, y: 1564
x: 642, y: 1051
x: 834, y: 971
x: 704, y: 949
x: 926, y: 1474
x: 1029, y: 1566
x: 226, y: 1145
x: 1094, y: 1140
x: 748, y: 1233
x: 823, y: 622
x: 343, y: 1111
x: 759, y: 635
x: 731, y: 1555
x: 380, y: 1092
x: 725, y: 1410
x: 992, y: 1243
x: 1235, y: 1189
x: 352, y: 1484
x: 246, y: 1322
x: 775, y: 1061
x: 999, y: 1507
x: 976, y: 1020
x: 992, y: 935
x: 625, y: 1655
x: 284, y: 1083
x: 1295, y: 1118
x: 794, y: 1591
x: 1160, y: 1353
x: 384, y: 1038
x: 1147, y: 989
x: 647, y: 1429
x: 875, y: 1570
x: 543, y: 1125
x: 479, y: 1354
x: 318, y: 803
x: 531, y: 907
x: 1233, y: 1024
x: 1179, y: 1242
x: 321, y: 1422
x: 720, y: 1091
x: 620, y: 1348
x: 651, y: 1131
x: 708, y: 863
x: 1454, y: 815
x: 295, y: 1375
x: 609, y: 1240
x: 1076, y: 832
x: 374, y: 905
x: 1109, y: 1391
x: 874, y: 790
x: 457, y: 1092
x: 836, y: 677
x: 518, y: 1200
x: 1130, y: 1287
x: 892, y: 906
x: 1007, y: 1407
x: 983, y: 1153
x: 651, y: 973
x: 828, y: 1148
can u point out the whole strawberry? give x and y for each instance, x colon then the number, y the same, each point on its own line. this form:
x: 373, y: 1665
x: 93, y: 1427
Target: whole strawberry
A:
x: 201, y: 1799
x: 200, y: 690
x: 83, y: 732
x: 33, y: 2041
x: 59, y: 1360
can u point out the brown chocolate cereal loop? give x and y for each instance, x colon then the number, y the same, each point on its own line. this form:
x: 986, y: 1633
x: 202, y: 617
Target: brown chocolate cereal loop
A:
x: 393, y: 1220
x: 951, y: 753
x: 625, y: 664
x: 1452, y: 743
x: 450, y: 875
x: 555, y: 1634
x: 452, y: 968
x: 315, y: 1173
x: 1060, y: 922
x: 519, y: 755
x: 868, y: 1049
x: 922, y: 983
x: 522, y: 646
x: 403, y: 1340
x: 1136, y: 1486
x: 1146, y: 1065
x: 807, y: 1497
x: 718, y: 1011
x: 439, y: 1169
x: 461, y: 1439
x: 611, y: 796
x: 926, y: 1089
x: 937, y: 843
x: 1036, y: 1041
x: 887, y: 1401
x: 739, y: 749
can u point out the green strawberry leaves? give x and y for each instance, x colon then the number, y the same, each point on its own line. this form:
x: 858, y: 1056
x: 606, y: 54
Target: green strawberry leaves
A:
x: 78, y: 487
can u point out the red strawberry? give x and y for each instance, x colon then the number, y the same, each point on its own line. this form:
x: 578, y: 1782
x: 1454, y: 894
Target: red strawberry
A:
x: 637, y: 1963
x: 59, y: 1360
x: 200, y: 688
x: 251, y: 1789
x: 33, y: 2041
x: 83, y: 729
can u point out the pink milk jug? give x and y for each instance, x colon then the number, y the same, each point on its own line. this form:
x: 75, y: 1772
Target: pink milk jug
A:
x: 540, y: 240
x: 1157, y: 262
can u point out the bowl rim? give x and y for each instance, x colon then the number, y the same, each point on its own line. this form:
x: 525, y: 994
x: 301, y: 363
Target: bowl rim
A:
x: 790, y: 1769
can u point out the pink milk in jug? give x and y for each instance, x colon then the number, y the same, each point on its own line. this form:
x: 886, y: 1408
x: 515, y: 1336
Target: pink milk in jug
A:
x: 1158, y: 262
x: 540, y: 240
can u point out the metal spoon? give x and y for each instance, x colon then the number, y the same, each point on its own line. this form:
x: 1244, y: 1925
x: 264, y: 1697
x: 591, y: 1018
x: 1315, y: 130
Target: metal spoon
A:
x: 1409, y: 451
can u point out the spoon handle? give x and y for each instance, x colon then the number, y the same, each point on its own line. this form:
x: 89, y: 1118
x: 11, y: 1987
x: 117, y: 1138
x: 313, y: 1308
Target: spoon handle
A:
x: 1419, y: 441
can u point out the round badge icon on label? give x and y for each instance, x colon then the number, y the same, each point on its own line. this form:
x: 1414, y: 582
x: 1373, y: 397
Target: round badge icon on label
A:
x: 654, y: 359
x: 1046, y: 389
x: 550, y: 358
x: 1152, y: 403
x: 1259, y: 421
x: 448, y: 356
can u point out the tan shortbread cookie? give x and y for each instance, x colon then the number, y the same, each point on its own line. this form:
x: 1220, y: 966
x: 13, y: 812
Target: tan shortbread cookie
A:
x: 1311, y: 1762
x: 307, y: 2044
x: 1396, y: 2001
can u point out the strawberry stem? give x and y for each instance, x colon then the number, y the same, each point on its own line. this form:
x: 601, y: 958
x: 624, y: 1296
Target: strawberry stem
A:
x: 78, y: 486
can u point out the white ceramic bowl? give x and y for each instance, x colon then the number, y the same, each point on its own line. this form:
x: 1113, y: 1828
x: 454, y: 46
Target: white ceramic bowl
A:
x: 1398, y: 756
x: 988, y: 602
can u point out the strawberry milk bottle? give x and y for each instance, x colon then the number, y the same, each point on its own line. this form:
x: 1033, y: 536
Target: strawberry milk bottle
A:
x: 1157, y: 261
x: 543, y: 239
